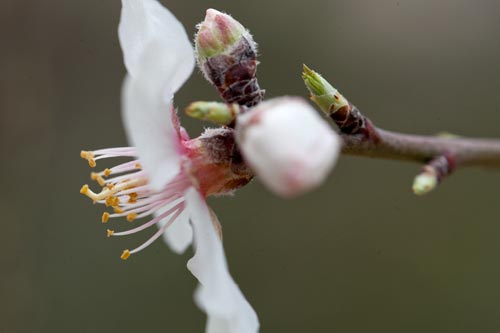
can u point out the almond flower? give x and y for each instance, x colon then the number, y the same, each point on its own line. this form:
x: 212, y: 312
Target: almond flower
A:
x: 169, y: 175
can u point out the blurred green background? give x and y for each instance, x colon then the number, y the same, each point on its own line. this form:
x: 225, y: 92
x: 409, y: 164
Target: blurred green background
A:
x: 360, y: 254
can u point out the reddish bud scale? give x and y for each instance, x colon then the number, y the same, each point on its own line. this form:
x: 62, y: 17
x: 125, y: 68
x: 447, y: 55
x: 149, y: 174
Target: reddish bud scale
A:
x: 234, y: 75
x: 349, y: 119
x: 441, y: 166
x: 217, y: 163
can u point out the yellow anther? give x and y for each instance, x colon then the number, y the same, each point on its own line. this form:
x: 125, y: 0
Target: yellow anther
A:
x: 84, y: 189
x: 105, y: 217
x: 138, y: 166
x: 107, y: 172
x: 99, y: 179
x: 131, y: 217
x: 110, y: 232
x: 109, y: 201
x: 89, y: 157
x: 132, y: 198
x: 110, y: 186
x: 125, y: 254
x: 117, y: 210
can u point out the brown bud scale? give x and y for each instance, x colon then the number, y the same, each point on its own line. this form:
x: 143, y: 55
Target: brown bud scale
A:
x: 349, y: 119
x: 223, y: 151
x: 234, y: 75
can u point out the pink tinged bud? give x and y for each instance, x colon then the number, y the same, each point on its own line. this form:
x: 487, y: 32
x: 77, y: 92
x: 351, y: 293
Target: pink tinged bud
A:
x: 217, y: 34
x: 288, y: 145
x: 227, y: 56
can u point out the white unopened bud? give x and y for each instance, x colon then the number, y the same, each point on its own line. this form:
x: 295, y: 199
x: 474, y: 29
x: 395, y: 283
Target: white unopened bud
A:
x: 287, y: 144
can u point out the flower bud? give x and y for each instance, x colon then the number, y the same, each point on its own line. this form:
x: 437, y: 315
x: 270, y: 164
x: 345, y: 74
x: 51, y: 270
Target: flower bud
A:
x: 424, y: 183
x: 227, y: 56
x: 219, y: 113
x: 287, y: 145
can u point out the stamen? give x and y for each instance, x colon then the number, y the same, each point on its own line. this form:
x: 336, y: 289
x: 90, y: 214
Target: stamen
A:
x: 132, y: 197
x: 84, y: 189
x: 117, y: 210
x: 98, y: 178
x: 105, y: 217
x: 164, y: 227
x: 106, y: 192
x: 125, y: 188
x: 178, y: 207
x: 145, y: 207
x: 125, y: 254
x: 89, y: 156
x: 131, y: 217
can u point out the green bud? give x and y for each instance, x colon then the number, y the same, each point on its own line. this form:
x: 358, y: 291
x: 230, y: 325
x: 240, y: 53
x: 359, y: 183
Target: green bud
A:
x: 424, y: 183
x: 219, y: 113
x: 322, y: 92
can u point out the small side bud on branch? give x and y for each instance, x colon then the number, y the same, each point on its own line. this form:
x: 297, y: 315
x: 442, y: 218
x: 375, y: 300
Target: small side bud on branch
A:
x: 425, y: 182
x: 227, y: 56
x: 219, y: 113
x: 433, y: 173
x: 333, y: 104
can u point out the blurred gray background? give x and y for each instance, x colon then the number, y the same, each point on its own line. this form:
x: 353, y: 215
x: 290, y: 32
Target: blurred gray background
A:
x: 360, y: 254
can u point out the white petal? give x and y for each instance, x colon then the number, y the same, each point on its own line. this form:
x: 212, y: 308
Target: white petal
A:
x: 180, y: 234
x: 159, y: 58
x: 218, y: 295
x: 144, y: 21
x: 288, y: 145
x: 147, y: 119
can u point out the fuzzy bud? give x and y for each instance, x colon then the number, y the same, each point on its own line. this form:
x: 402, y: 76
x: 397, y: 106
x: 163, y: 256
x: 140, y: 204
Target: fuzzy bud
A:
x: 227, y: 56
x: 287, y: 144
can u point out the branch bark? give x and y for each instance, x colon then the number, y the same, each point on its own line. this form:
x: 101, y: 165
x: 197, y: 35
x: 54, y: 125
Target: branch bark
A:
x: 378, y: 143
x: 440, y: 155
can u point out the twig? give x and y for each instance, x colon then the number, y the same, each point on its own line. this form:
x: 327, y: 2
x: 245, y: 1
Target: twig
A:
x: 441, y: 154
x: 380, y: 143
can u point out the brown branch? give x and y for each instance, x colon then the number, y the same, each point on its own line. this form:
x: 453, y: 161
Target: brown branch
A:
x: 440, y: 154
x: 378, y: 143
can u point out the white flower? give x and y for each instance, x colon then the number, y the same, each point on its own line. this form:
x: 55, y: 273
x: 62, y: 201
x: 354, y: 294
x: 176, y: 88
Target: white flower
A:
x: 169, y: 174
x: 287, y: 144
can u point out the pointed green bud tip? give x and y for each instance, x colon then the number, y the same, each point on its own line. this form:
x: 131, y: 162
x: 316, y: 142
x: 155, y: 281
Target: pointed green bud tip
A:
x: 217, y: 34
x: 424, y: 183
x: 219, y: 113
x: 328, y: 98
x: 316, y: 84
